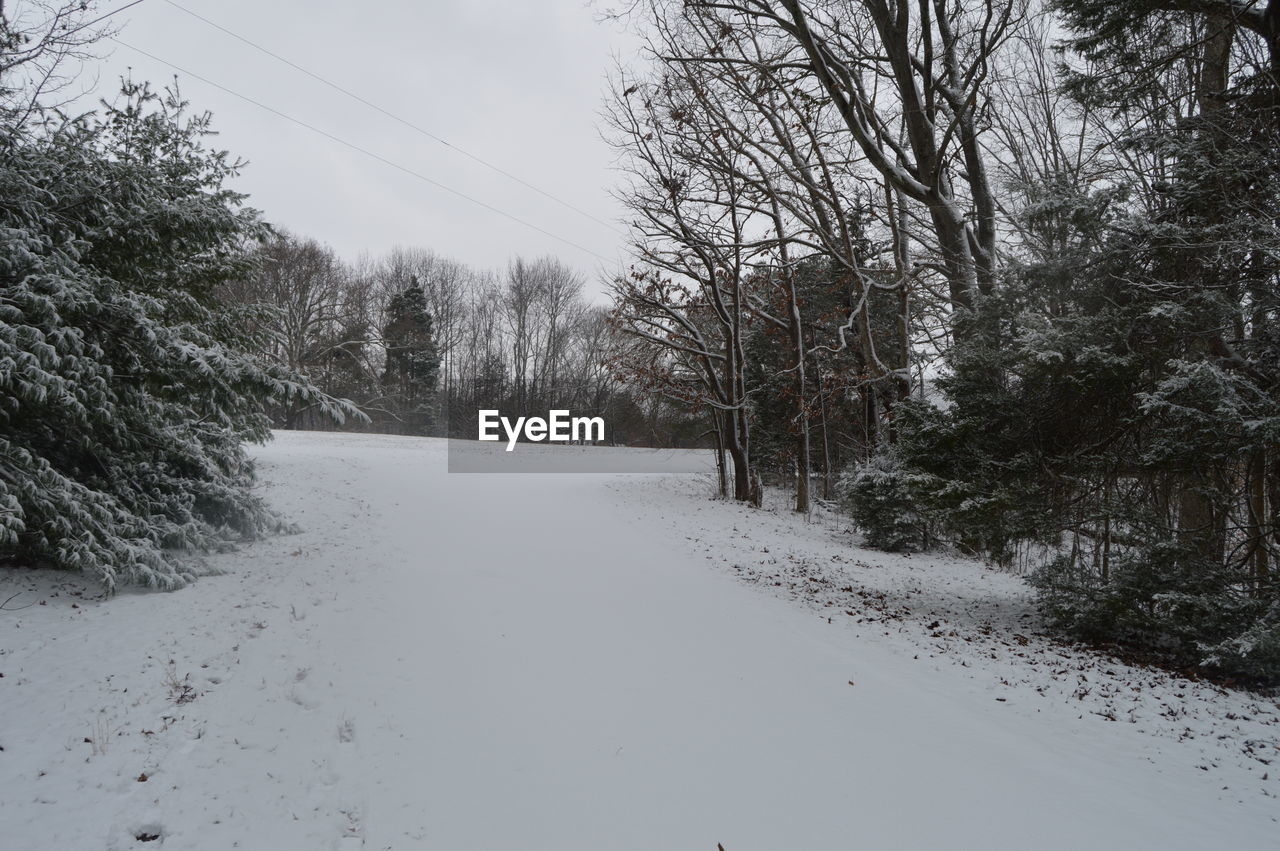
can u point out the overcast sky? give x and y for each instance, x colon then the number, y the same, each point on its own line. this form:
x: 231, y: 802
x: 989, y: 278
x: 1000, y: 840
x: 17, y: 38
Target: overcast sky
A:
x: 514, y: 82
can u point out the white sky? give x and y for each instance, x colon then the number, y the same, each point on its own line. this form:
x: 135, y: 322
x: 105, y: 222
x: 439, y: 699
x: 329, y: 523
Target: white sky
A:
x: 517, y: 83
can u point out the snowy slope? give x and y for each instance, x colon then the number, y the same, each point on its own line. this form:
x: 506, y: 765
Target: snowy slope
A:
x: 576, y: 662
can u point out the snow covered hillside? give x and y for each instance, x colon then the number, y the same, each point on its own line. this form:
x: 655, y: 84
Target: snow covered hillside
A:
x: 594, y: 662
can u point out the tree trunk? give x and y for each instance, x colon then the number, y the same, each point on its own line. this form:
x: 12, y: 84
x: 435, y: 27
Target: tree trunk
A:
x: 1258, y: 531
x: 826, y: 443
x: 804, y: 465
x: 738, y: 454
x: 1199, y: 525
x: 721, y: 476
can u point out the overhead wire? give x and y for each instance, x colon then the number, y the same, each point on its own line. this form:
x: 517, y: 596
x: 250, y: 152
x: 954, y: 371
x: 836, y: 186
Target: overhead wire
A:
x: 365, y: 151
x: 98, y: 19
x: 411, y: 125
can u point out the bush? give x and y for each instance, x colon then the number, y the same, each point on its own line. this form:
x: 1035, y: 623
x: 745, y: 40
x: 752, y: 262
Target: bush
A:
x: 1166, y: 599
x: 884, y: 501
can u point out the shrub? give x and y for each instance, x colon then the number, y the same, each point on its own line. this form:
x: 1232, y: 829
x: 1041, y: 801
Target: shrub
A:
x: 884, y: 501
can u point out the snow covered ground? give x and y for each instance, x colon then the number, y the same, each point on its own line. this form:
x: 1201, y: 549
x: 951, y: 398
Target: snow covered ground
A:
x: 591, y: 662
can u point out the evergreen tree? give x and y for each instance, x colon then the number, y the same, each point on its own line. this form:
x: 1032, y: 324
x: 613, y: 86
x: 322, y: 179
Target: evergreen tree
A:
x: 413, y: 362
x: 1121, y: 407
x: 126, y: 389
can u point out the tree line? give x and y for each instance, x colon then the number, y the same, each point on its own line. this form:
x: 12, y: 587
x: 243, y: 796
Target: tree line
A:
x: 1009, y: 268
x: 420, y: 342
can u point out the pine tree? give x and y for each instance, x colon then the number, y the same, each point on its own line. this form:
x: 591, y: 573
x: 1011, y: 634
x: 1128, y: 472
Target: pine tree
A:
x: 413, y: 362
x: 126, y: 389
x: 1122, y: 406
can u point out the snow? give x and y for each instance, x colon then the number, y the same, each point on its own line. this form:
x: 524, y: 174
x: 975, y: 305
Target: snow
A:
x: 591, y: 661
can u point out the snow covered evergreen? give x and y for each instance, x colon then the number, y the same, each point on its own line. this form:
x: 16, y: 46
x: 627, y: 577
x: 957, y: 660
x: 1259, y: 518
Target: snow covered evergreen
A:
x: 126, y: 388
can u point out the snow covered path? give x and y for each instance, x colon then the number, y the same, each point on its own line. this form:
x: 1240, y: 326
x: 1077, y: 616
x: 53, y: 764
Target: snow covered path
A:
x: 528, y: 662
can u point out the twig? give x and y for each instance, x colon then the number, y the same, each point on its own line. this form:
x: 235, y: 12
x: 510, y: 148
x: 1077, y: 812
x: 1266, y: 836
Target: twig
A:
x: 4, y: 607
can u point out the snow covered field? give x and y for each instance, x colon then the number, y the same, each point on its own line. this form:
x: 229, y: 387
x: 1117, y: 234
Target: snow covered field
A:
x: 591, y: 662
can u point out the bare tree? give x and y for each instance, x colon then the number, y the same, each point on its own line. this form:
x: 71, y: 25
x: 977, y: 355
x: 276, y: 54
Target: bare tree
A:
x: 909, y: 81
x: 39, y: 39
x: 691, y: 235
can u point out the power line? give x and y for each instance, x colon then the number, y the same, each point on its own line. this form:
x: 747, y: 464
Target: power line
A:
x: 102, y: 18
x: 361, y: 150
x: 313, y: 75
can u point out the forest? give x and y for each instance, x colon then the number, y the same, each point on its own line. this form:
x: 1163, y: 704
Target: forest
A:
x: 1018, y: 261
x: 999, y: 277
